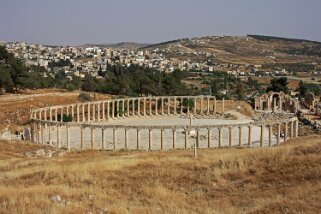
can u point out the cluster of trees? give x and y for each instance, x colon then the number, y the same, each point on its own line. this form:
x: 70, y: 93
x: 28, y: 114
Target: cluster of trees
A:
x: 60, y: 63
x: 305, y: 88
x: 15, y: 75
x: 137, y: 81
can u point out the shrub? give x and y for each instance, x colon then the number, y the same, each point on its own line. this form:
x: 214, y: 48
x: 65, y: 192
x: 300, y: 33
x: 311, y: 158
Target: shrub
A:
x: 84, y: 97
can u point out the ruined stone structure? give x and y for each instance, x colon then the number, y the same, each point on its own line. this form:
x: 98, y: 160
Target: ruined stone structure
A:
x: 47, y: 125
x: 276, y: 102
x: 312, y: 103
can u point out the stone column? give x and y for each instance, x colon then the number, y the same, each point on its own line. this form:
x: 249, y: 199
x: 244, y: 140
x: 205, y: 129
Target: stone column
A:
x: 133, y: 107
x: 104, y: 116
x: 56, y: 114
x: 62, y: 114
x: 103, y: 144
x: 186, y: 138
x: 223, y: 106
x: 208, y: 106
x: 162, y: 139
x: 45, y: 114
x: 50, y: 114
x: 58, y: 137
x: 270, y: 135
x: 144, y: 106
x: 262, y: 135
x: 82, y: 131
x: 114, y: 138
x: 150, y: 106
x: 42, y: 134
x: 123, y: 108
x: 113, y: 109
x: 94, y: 112
x: 156, y: 107
x: 280, y: 104
x: 88, y: 112
x: 68, y: 137
x: 240, y: 136
x: 67, y: 110
x: 127, y: 107
x: 162, y: 106
x: 126, y: 138
x: 209, y: 136
x: 92, y: 135
x: 278, y: 134
x: 197, y: 138
x: 219, y: 137
x: 98, y: 111
x: 108, y: 110
x: 230, y: 136
x: 78, y: 114
x: 138, y: 139
x: 72, y: 113
x: 37, y: 134
x: 117, y: 108
x: 32, y: 132
x: 40, y: 115
x: 250, y: 137
x: 174, y: 138
x: 49, y: 134
x: 83, y: 112
x: 150, y: 141
x: 138, y: 106
x: 214, y: 109
x: 285, y: 131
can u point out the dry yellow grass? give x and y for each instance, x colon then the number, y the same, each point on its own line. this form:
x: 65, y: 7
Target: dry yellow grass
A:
x: 285, y: 179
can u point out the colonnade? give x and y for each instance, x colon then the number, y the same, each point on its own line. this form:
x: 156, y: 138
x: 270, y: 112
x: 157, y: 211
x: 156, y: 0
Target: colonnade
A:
x: 127, y: 107
x: 281, y: 131
x: 58, y: 125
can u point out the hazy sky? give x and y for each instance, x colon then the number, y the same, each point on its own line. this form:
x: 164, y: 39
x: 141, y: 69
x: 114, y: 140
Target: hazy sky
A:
x: 102, y: 21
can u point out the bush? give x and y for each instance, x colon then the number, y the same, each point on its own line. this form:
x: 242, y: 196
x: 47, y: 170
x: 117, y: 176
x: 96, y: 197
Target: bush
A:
x: 84, y: 97
x: 67, y: 118
x: 71, y: 87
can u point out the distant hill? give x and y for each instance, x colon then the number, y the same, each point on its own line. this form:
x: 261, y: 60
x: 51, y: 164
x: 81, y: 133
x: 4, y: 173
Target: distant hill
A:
x: 250, y: 49
x: 125, y: 45
x: 274, y: 38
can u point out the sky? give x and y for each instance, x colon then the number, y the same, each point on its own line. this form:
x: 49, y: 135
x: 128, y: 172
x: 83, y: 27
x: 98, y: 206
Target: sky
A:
x: 76, y: 22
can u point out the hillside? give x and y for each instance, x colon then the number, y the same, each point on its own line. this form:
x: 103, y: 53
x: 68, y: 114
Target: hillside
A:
x: 283, y: 179
x: 251, y: 49
x: 120, y: 45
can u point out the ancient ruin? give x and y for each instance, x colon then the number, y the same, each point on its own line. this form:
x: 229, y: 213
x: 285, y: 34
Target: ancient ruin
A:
x: 113, y: 125
x: 276, y: 101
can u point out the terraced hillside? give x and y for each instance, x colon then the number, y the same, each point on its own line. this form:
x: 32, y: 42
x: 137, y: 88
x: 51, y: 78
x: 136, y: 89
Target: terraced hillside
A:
x: 251, y: 49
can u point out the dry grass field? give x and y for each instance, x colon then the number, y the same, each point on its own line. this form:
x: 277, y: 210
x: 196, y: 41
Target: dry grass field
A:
x: 14, y: 114
x: 285, y: 179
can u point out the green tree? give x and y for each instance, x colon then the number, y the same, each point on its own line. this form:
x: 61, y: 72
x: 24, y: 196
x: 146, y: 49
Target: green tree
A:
x: 278, y: 85
x: 89, y: 83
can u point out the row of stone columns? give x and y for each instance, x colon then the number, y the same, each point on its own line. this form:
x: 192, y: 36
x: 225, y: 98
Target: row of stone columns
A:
x: 38, y: 130
x: 110, y: 109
